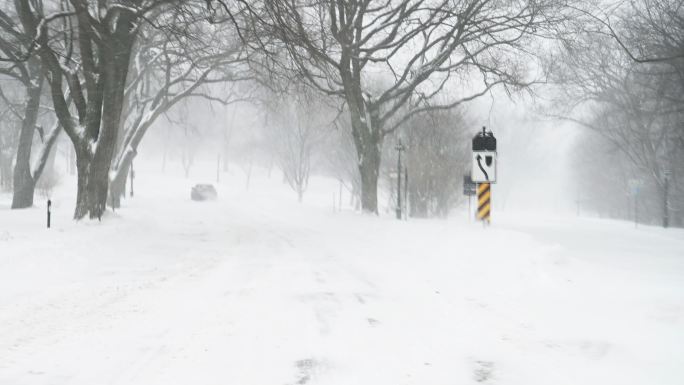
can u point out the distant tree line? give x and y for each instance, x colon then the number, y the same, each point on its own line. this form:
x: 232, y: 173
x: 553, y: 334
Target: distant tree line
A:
x: 621, y: 76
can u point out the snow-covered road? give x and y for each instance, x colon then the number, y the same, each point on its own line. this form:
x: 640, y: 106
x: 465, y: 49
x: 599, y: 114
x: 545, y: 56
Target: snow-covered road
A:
x: 253, y: 289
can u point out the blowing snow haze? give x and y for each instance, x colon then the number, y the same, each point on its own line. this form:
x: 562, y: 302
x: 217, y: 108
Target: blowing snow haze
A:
x: 416, y: 192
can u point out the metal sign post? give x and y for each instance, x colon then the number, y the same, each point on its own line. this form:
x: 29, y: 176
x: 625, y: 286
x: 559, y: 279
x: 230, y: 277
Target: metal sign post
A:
x: 469, y: 189
x: 484, y: 171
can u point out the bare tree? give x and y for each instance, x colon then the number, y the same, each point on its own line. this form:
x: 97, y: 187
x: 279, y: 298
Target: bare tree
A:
x: 86, y: 47
x: 341, y: 48
x: 297, y: 127
x: 647, y: 31
x: 633, y: 101
x: 20, y: 64
x: 169, y: 68
x: 9, y: 135
x: 341, y: 159
x: 437, y: 152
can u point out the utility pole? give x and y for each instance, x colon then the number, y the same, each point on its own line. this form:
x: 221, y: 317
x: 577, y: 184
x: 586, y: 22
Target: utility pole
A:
x: 399, y: 147
x: 469, y: 189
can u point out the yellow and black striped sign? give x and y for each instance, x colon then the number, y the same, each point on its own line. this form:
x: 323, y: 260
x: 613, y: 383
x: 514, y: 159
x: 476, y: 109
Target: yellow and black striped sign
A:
x: 484, y: 200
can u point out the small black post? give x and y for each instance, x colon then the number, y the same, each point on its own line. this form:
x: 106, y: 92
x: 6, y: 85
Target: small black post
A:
x: 132, y: 177
x: 48, y: 213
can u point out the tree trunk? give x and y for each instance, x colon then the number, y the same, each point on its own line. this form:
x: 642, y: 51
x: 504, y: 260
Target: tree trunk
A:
x: 24, y: 183
x: 117, y: 190
x: 117, y: 186
x: 369, y: 167
x: 115, y: 72
x: 98, y: 186
x: 367, y: 135
x: 93, y: 170
x: 23, y: 193
x: 98, y: 174
x: 5, y: 172
x: 82, y: 166
x: 368, y: 143
x: 419, y: 205
x: 71, y: 161
x: 92, y: 185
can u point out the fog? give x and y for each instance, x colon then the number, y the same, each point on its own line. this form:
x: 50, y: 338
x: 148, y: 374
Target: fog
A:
x: 534, y: 152
x: 341, y: 192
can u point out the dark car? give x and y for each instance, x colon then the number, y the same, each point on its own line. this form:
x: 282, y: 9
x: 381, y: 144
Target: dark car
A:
x: 203, y: 192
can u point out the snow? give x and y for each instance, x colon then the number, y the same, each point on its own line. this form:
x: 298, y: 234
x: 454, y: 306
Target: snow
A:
x: 257, y: 289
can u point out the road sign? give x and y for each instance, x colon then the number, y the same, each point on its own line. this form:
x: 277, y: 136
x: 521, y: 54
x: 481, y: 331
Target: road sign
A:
x: 484, y: 167
x: 484, y: 157
x: 484, y: 202
x: 484, y: 141
x: 635, y: 186
x: 484, y: 172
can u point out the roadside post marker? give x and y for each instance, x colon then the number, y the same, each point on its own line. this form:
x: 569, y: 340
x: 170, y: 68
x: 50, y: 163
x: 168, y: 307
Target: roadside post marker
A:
x: 483, y: 172
x: 484, y: 202
x: 48, y: 213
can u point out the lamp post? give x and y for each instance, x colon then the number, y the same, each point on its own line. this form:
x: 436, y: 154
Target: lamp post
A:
x: 400, y: 148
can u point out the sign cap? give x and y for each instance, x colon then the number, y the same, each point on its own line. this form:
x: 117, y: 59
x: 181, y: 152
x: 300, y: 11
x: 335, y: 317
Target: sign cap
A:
x: 484, y: 141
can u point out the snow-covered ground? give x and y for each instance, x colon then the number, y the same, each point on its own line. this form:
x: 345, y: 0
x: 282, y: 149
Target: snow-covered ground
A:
x: 257, y: 289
